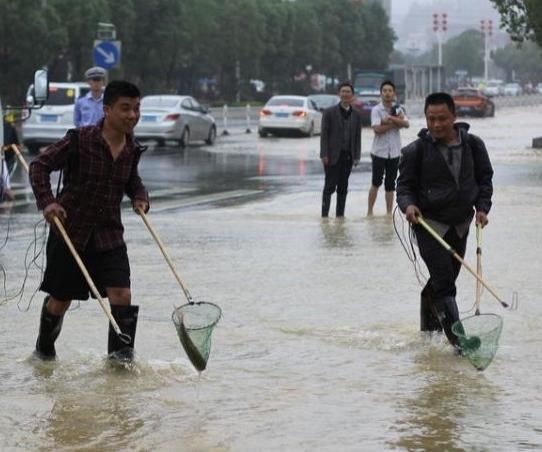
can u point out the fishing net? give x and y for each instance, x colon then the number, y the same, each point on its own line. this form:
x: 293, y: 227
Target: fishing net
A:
x: 479, y: 338
x: 194, y: 323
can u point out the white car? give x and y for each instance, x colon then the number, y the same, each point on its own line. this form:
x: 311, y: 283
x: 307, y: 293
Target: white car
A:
x: 494, y: 88
x: 290, y: 113
x: 50, y: 123
x: 178, y: 118
x: 512, y: 89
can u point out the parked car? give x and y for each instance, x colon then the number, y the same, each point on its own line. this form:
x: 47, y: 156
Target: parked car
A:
x: 365, y: 103
x: 538, y: 88
x: 512, y: 89
x: 494, y: 88
x: 324, y: 101
x: 178, y: 118
x: 470, y: 101
x: 50, y: 123
x: 290, y: 113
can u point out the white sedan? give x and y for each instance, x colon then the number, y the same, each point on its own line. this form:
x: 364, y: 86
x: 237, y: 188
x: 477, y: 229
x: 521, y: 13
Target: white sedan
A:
x: 290, y: 113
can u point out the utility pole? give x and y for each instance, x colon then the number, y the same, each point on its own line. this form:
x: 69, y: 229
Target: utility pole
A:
x: 440, y: 26
x: 487, y: 32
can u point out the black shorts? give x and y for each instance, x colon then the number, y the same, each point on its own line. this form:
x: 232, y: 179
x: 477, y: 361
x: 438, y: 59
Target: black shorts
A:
x: 64, y: 280
x: 389, y: 166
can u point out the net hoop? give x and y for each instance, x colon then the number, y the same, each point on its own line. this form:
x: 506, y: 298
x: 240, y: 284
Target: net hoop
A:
x: 480, y: 336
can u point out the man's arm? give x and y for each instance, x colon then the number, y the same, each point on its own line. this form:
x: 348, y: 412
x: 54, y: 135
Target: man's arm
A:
x: 324, y: 156
x: 408, y: 182
x: 135, y: 189
x: 484, y: 175
x: 77, y: 113
x: 52, y: 159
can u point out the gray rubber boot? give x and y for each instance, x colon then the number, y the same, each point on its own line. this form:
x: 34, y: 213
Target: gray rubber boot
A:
x: 50, y: 326
x: 447, y: 313
x: 428, y: 319
x: 126, y: 318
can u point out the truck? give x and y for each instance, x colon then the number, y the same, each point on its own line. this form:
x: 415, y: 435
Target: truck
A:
x: 411, y: 81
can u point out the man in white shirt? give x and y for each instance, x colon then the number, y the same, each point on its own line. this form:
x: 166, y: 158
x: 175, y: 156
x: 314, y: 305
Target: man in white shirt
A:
x: 386, y: 119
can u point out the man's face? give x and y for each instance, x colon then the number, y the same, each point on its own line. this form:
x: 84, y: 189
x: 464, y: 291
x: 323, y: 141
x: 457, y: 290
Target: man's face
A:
x: 346, y: 95
x: 387, y: 93
x: 96, y: 84
x: 123, y: 115
x: 440, y: 121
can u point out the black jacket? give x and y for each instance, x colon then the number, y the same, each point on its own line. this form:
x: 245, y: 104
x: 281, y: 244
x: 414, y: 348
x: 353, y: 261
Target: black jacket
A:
x: 426, y: 181
x: 331, y: 135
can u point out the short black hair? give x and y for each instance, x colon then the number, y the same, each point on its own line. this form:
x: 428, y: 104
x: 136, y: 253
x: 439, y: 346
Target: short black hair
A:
x: 346, y: 83
x: 387, y: 82
x: 119, y: 88
x: 439, y: 99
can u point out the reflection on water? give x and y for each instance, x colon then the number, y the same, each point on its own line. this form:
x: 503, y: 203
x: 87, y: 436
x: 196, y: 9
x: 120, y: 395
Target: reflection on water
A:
x: 446, y: 401
x: 336, y: 233
x: 380, y: 229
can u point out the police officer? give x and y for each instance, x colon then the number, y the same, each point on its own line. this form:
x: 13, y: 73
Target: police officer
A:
x: 89, y: 108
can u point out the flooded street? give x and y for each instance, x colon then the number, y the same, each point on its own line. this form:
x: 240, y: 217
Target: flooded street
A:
x: 318, y: 347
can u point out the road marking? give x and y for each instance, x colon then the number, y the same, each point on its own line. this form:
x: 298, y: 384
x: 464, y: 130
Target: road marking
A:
x: 203, y: 199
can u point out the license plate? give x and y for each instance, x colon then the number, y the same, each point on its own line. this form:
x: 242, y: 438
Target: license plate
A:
x: 49, y: 118
x: 281, y: 115
x: 148, y: 118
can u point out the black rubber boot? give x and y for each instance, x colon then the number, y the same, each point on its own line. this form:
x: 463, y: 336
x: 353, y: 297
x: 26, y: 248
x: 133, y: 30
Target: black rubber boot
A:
x: 341, y: 204
x: 126, y: 318
x: 326, y: 202
x: 447, y: 313
x: 50, y: 326
x: 428, y: 319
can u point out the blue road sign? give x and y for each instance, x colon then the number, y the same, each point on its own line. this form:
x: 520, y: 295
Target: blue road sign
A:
x: 106, y: 53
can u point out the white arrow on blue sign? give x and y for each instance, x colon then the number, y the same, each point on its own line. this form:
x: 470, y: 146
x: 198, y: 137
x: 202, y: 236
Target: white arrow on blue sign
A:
x: 106, y: 53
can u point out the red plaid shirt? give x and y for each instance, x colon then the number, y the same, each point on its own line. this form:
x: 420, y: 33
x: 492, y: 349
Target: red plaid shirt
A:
x: 93, y: 186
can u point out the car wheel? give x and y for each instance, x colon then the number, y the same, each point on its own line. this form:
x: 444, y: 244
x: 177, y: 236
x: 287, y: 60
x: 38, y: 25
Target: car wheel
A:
x: 310, y: 133
x: 211, y: 137
x: 262, y: 133
x: 185, y: 138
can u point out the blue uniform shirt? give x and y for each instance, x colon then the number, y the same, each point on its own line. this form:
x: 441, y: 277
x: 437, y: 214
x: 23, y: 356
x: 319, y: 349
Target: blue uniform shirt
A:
x: 88, y: 111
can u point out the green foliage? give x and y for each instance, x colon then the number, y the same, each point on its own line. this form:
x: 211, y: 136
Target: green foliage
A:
x: 168, y: 45
x: 525, y: 62
x: 455, y: 57
x: 521, y: 18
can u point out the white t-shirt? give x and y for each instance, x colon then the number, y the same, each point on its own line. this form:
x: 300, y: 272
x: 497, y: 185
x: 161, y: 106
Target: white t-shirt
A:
x: 386, y: 145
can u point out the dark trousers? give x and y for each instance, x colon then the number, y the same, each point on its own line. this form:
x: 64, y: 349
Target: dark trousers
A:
x: 443, y: 267
x: 337, y: 180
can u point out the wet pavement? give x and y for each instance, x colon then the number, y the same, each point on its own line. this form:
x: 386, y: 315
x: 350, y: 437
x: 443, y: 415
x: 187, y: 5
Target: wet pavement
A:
x: 319, y: 346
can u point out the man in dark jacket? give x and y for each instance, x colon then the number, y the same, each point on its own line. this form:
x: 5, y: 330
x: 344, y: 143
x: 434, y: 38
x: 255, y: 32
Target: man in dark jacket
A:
x: 446, y: 176
x: 97, y: 171
x: 340, y: 147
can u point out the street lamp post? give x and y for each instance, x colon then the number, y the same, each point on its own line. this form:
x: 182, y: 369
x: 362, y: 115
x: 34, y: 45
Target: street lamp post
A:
x: 440, y: 26
x: 487, y: 32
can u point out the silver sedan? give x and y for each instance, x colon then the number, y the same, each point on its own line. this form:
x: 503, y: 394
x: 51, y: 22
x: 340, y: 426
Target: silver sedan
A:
x: 179, y: 118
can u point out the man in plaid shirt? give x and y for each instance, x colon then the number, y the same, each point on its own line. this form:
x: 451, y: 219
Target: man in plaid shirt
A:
x: 98, y: 164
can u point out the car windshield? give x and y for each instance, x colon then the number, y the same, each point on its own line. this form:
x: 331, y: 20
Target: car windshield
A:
x: 62, y: 96
x: 468, y: 93
x: 163, y: 102
x: 285, y: 102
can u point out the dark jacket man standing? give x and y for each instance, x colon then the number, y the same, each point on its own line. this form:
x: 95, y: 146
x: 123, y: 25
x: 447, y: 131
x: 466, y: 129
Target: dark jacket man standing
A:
x: 446, y: 176
x: 340, y: 147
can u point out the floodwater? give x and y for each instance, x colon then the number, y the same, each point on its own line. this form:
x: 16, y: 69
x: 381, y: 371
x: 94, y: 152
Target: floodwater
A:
x: 318, y: 348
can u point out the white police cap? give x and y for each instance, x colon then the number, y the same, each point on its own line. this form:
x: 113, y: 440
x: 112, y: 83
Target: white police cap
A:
x: 95, y: 72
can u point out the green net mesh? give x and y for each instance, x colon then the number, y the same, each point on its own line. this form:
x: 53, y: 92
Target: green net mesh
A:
x: 194, y: 323
x: 479, y: 338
